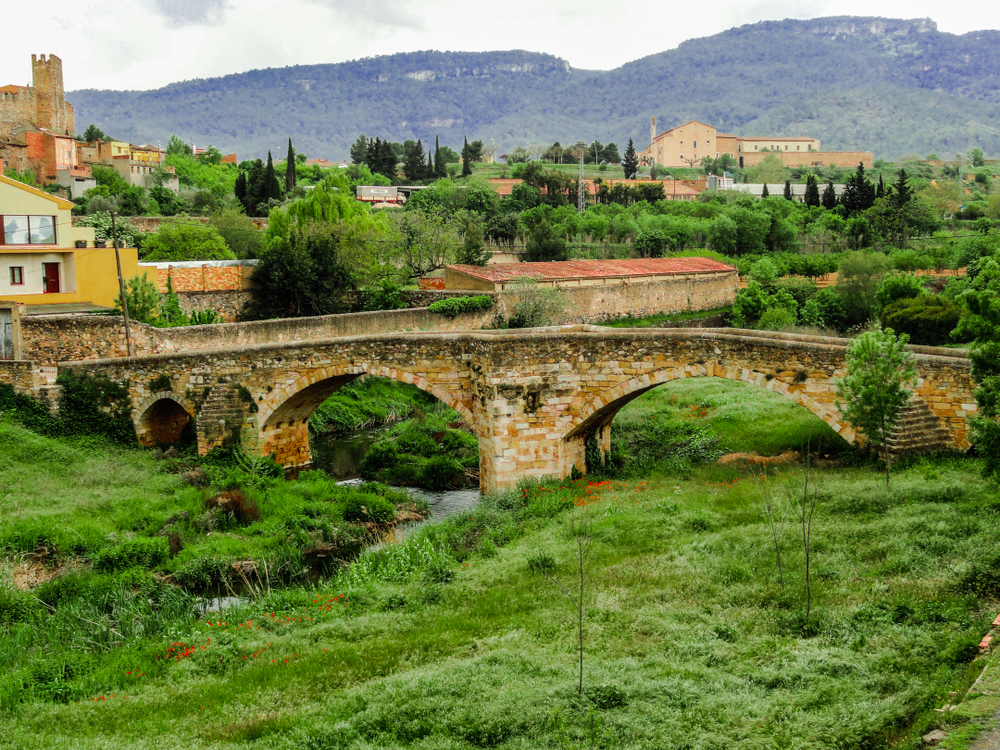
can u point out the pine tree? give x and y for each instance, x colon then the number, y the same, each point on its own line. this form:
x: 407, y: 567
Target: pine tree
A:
x: 765, y: 193
x: 413, y: 160
x: 359, y: 151
x: 466, y: 167
x: 788, y: 190
x: 812, y: 191
x: 859, y: 192
x: 902, y: 193
x: 829, y: 196
x: 630, y: 164
x: 440, y: 168
x: 373, y: 153
x: 290, y: 168
x: 388, y: 160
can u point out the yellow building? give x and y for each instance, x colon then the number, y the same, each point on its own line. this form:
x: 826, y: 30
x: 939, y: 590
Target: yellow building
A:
x: 45, y: 260
x: 687, y: 144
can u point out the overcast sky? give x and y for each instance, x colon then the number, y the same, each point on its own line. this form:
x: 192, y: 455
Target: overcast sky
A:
x: 144, y: 44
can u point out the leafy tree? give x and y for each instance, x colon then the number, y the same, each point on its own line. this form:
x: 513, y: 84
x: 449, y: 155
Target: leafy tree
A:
x: 609, y: 153
x: 858, y: 280
x: 416, y: 243
x: 976, y: 157
x: 770, y: 169
x: 871, y: 396
x: 177, y: 146
x: 290, y: 168
x: 242, y: 238
x: 544, y: 244
x: 982, y: 325
x: 177, y: 241
x: 927, y: 319
x: 304, y: 273
x: 93, y: 133
x: 473, y: 252
x: 894, y: 287
x: 630, y: 164
x: 812, y: 198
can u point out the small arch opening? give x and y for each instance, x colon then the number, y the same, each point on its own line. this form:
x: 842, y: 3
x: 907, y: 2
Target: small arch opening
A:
x: 166, y: 422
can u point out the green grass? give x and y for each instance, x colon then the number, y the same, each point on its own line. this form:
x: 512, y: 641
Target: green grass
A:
x: 745, y: 418
x: 684, y: 617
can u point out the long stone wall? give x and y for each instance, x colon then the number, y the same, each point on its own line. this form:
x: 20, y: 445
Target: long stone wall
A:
x: 23, y: 376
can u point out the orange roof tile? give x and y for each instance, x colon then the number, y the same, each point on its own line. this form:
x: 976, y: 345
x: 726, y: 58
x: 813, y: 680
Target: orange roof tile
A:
x: 593, y: 269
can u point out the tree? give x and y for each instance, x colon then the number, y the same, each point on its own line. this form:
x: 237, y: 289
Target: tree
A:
x: 359, y: 151
x: 859, y: 277
x: 177, y: 146
x: 871, y: 396
x: 829, y: 196
x: 301, y: 274
x: 812, y: 198
x: 476, y: 151
x: 976, y: 157
x: 610, y: 154
x: 143, y: 299
x: 239, y: 233
x: 630, y: 164
x: 859, y: 193
x: 177, y: 241
x: 466, y: 158
x: 788, y: 190
x: 473, y: 252
x: 982, y: 325
x: 93, y: 133
x: 765, y: 193
x: 413, y: 160
x: 440, y: 168
x: 544, y: 244
x: 290, y: 168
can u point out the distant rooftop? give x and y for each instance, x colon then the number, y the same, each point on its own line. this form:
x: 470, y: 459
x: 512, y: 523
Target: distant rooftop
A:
x: 593, y: 269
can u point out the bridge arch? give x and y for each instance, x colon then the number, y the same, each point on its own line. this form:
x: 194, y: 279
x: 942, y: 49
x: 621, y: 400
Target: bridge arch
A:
x: 599, y: 412
x: 161, y: 418
x: 283, y: 415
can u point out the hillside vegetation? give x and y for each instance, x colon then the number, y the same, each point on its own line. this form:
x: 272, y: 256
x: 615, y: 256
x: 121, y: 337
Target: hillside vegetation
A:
x: 885, y: 85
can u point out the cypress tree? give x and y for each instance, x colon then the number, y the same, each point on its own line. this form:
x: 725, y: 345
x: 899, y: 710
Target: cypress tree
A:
x: 466, y: 167
x: 630, y: 163
x: 272, y: 188
x: 812, y: 191
x: 388, y: 160
x: 440, y: 168
x: 765, y: 193
x: 290, y: 168
x: 788, y: 190
x: 830, y: 196
x: 429, y: 170
x: 373, y: 152
x: 241, y: 189
x: 880, y: 190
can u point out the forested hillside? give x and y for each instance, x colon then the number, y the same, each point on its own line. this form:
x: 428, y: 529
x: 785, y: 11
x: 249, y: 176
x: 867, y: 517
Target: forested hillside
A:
x: 885, y: 85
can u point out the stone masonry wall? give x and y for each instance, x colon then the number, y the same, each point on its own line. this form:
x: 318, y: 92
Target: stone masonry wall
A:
x: 23, y: 376
x: 532, y: 399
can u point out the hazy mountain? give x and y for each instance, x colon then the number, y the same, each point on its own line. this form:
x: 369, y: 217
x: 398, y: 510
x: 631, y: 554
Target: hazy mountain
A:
x: 885, y: 85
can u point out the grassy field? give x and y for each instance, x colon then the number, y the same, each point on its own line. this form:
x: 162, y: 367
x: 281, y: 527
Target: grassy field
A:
x: 693, y: 635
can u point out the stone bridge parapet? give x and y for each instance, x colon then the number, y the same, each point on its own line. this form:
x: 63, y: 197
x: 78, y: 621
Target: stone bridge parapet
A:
x: 532, y: 396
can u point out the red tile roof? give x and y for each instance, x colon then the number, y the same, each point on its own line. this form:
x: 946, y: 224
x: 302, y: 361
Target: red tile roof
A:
x: 593, y: 269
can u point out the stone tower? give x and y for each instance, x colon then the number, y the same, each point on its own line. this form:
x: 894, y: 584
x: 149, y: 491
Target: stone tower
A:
x: 52, y: 111
x: 652, y: 129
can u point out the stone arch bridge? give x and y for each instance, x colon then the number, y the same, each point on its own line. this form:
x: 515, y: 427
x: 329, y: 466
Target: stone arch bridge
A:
x: 532, y: 397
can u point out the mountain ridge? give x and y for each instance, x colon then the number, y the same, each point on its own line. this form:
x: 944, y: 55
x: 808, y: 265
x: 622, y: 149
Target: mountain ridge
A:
x: 925, y: 87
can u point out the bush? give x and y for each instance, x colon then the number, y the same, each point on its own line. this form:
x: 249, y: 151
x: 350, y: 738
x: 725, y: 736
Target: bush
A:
x: 776, y: 319
x: 928, y: 319
x: 201, y: 573
x: 369, y: 508
x: 177, y: 241
x: 379, y: 456
x: 457, y: 305
x: 441, y: 472
x: 142, y: 552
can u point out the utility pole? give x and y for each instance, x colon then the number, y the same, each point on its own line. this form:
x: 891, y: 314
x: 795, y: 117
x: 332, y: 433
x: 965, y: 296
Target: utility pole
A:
x: 581, y: 204
x: 121, y: 288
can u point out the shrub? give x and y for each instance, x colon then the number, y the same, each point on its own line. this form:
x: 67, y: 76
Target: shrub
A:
x: 379, y: 456
x: 369, y: 508
x: 142, y: 552
x: 236, y: 504
x: 776, y: 319
x: 201, y: 573
x: 457, y: 305
x: 928, y: 319
x: 441, y: 472
x: 177, y: 241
